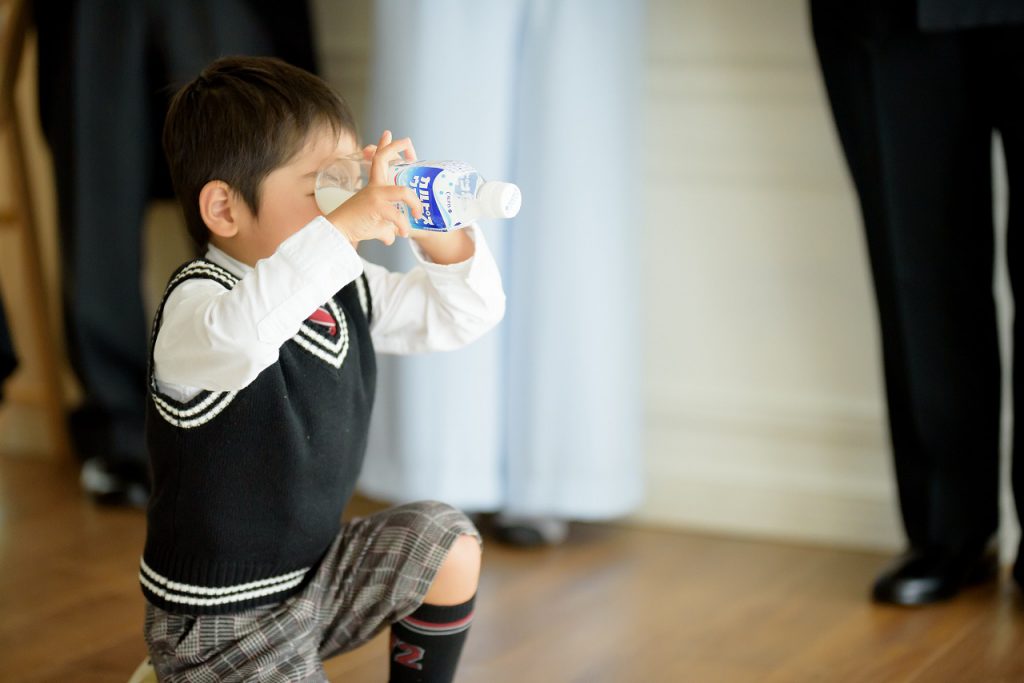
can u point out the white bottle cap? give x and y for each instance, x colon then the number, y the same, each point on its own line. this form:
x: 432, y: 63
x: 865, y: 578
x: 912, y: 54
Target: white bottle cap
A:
x: 500, y: 200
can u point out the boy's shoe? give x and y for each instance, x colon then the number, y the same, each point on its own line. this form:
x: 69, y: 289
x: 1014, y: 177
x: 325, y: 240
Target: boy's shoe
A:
x: 118, y: 482
x: 528, y: 532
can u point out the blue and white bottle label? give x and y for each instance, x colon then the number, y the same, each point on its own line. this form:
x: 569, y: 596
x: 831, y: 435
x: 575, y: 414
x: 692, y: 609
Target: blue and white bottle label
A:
x: 446, y: 189
x: 421, y: 179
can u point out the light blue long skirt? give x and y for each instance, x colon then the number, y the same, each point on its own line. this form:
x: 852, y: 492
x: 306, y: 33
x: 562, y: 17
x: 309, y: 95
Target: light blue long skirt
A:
x: 543, y: 415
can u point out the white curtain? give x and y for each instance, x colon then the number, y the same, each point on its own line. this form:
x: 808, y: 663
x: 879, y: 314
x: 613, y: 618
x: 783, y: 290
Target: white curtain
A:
x: 543, y: 415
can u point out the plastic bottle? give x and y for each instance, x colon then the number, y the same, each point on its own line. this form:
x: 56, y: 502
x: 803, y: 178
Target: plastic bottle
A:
x: 453, y: 193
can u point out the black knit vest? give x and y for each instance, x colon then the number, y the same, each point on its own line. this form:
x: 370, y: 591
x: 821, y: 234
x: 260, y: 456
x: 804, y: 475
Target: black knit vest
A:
x: 249, y: 485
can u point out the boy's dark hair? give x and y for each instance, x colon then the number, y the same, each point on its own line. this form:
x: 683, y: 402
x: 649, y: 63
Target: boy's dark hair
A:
x: 241, y: 118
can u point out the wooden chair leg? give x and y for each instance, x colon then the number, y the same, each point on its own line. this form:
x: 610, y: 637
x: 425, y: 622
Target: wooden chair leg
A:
x: 22, y: 216
x: 35, y: 291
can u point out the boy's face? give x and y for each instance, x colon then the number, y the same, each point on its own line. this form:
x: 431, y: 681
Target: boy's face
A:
x: 287, y: 203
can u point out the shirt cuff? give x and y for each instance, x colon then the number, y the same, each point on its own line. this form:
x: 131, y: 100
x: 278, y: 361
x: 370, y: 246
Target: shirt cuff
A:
x: 478, y: 272
x: 456, y: 269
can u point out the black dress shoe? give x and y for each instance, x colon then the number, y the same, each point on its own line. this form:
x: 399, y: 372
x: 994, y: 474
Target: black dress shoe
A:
x: 529, y: 531
x: 922, y: 576
x: 120, y: 482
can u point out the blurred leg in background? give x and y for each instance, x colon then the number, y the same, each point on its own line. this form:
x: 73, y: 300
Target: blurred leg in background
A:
x: 107, y: 70
x: 916, y: 97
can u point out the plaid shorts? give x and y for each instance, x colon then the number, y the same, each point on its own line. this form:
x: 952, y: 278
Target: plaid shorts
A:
x: 376, y: 572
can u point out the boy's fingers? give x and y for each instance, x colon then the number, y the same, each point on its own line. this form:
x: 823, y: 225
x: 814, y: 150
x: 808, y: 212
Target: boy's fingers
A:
x: 394, y: 193
x: 413, y: 202
x: 387, y: 228
x: 410, y: 153
x: 384, y: 155
x: 386, y: 151
x: 397, y: 222
x: 378, y: 169
x: 394, y: 149
x: 369, y: 151
x: 379, y: 165
x: 403, y: 224
x: 399, y: 227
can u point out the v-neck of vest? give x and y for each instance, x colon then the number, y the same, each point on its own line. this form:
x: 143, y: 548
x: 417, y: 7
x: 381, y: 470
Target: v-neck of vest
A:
x: 330, y: 349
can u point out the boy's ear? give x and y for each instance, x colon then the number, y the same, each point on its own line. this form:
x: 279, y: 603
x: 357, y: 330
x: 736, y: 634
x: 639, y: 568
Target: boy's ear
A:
x: 217, y: 208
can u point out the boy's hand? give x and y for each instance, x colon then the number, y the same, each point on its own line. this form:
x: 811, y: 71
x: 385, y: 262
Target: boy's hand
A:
x: 372, y: 212
x: 441, y: 247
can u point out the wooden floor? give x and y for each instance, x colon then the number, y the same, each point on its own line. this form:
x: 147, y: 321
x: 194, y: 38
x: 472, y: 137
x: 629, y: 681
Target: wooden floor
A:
x: 614, y: 604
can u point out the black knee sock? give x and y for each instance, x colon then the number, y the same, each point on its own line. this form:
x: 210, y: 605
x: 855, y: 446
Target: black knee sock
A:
x: 425, y: 646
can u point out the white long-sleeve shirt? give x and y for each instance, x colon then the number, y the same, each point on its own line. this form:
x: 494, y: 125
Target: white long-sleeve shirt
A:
x: 218, y: 339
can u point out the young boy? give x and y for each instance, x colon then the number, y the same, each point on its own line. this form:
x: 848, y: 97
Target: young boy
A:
x: 261, y: 384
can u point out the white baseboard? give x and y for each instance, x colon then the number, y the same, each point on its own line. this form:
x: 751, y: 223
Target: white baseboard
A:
x: 808, y: 471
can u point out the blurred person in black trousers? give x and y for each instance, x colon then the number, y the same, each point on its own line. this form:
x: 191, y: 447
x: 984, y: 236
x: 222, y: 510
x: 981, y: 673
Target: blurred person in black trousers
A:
x: 107, y: 70
x: 917, y: 89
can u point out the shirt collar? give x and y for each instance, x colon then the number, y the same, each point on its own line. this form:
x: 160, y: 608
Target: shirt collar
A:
x: 229, y: 263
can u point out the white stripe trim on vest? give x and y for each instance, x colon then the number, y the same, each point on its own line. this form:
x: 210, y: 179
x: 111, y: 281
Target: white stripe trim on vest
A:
x: 333, y: 353
x: 217, y: 401
x: 331, y: 359
x: 205, y: 268
x: 202, y: 602
x: 333, y: 347
x: 198, y: 408
x: 204, y: 411
x: 342, y: 340
x: 173, y: 591
x: 363, y: 299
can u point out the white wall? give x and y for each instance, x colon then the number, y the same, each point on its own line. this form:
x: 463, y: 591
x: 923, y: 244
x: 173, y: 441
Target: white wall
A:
x: 765, y: 405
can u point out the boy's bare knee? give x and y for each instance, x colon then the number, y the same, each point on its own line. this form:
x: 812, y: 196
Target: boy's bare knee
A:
x: 457, y: 578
